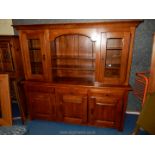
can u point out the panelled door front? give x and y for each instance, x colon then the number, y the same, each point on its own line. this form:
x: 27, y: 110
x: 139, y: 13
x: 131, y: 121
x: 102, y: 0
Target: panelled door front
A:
x: 42, y: 105
x: 105, y: 108
x: 72, y: 105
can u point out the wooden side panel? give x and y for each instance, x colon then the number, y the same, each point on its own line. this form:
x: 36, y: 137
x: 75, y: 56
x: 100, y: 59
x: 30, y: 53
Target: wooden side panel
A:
x: 5, y: 103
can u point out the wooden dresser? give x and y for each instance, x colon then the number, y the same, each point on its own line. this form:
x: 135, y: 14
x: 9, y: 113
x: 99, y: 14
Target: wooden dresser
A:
x: 11, y: 64
x: 78, y: 73
x: 10, y: 56
x: 10, y: 59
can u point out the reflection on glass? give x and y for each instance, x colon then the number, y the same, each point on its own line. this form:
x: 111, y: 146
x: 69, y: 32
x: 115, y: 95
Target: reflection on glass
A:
x: 6, y: 64
x: 35, y: 56
x: 113, y: 57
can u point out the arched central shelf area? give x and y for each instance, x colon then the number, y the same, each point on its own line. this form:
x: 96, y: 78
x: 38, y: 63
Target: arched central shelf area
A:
x: 73, y: 59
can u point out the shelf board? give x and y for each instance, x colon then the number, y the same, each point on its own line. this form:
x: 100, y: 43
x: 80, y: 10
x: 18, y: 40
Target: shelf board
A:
x: 37, y: 62
x: 113, y: 67
x: 73, y: 68
x: 6, y: 61
x: 73, y: 57
x: 34, y: 48
x: 114, y: 48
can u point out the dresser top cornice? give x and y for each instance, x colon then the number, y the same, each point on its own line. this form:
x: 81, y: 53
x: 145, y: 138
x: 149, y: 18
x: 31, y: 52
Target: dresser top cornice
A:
x: 121, y: 23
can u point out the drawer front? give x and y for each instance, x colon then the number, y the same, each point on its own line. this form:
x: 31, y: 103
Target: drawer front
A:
x: 107, y: 92
x: 39, y: 88
x: 71, y: 90
x: 72, y: 105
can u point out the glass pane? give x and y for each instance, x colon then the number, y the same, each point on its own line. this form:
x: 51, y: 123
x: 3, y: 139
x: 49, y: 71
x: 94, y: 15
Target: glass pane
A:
x: 113, y: 57
x: 113, y: 61
x: 115, y: 43
x: 6, y: 64
x: 35, y: 56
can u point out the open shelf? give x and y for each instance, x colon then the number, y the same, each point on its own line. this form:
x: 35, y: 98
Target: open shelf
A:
x: 76, y: 69
x: 73, y: 59
x: 114, y: 48
x: 112, y: 68
x: 34, y: 49
x: 73, y: 67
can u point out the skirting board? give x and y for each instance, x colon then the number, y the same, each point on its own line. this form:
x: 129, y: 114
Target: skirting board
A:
x: 133, y: 112
x: 16, y: 118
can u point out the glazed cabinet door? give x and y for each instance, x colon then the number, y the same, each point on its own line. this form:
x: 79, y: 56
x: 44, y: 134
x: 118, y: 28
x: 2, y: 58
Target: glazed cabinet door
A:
x: 114, y: 57
x: 105, y: 108
x: 34, y: 46
x: 72, y: 105
x: 6, y: 59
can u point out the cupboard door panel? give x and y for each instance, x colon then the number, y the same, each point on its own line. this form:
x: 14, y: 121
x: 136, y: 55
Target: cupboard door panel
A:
x: 72, y: 106
x: 114, y: 57
x: 42, y: 105
x: 105, y: 110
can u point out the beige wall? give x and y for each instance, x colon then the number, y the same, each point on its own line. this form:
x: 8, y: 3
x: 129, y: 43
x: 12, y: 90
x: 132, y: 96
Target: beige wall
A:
x: 5, y: 27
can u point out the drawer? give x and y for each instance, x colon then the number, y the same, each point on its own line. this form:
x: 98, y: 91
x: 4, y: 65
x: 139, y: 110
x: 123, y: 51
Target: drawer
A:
x: 106, y: 93
x: 39, y: 88
x: 71, y: 90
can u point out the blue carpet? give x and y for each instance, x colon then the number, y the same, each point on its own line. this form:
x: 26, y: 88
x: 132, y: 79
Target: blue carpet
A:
x: 15, y: 109
x: 37, y: 127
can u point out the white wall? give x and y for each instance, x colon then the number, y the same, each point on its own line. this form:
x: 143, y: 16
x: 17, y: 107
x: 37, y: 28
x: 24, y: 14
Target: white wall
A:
x: 5, y: 27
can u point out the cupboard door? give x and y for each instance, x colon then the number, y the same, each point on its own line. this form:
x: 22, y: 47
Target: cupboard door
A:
x: 42, y: 105
x: 72, y: 106
x: 6, y: 61
x: 105, y: 109
x: 35, y: 51
x: 114, y: 57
